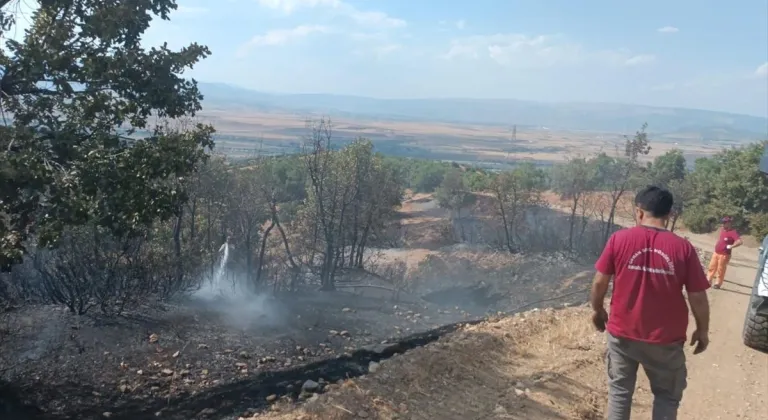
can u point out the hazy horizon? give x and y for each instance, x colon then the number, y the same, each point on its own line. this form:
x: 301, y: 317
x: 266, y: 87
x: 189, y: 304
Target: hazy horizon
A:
x: 204, y: 83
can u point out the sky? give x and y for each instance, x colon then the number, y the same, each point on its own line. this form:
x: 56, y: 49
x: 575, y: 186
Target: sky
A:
x: 706, y: 54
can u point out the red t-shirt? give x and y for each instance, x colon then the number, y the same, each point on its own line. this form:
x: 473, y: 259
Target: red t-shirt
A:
x: 727, y: 237
x: 650, y: 268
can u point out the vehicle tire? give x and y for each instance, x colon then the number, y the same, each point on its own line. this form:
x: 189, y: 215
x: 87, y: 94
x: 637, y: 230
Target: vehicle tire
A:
x: 756, y: 326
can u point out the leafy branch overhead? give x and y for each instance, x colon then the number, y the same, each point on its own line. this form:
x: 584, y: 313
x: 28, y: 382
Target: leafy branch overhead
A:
x: 76, y: 89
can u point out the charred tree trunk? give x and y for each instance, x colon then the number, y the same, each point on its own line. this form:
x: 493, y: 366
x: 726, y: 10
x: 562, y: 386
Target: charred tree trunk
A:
x: 326, y: 275
x: 177, y: 247
x: 572, y: 221
x: 276, y: 221
x: 208, y: 239
x: 262, y: 251
x: 612, y: 215
x: 193, y: 221
x: 507, y: 236
x: 674, y: 221
x: 363, y: 243
x: 355, y: 239
x: 248, y: 253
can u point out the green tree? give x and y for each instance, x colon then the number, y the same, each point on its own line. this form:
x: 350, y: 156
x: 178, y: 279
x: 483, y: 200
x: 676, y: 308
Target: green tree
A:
x: 666, y: 168
x: 427, y: 176
x: 75, y: 91
x: 477, y: 179
x: 669, y: 171
x: 452, y: 194
x: 682, y: 192
x: 728, y: 183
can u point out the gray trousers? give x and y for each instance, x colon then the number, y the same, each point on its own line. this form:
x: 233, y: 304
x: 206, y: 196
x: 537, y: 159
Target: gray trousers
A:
x: 663, y: 364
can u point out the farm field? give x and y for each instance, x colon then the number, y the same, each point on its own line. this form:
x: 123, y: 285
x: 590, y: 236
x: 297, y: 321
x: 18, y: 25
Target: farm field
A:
x: 243, y: 133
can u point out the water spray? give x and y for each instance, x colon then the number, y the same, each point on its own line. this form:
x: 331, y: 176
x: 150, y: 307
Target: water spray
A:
x: 216, y: 280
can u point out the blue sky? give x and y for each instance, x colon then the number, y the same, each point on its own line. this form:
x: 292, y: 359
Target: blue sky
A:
x: 708, y: 54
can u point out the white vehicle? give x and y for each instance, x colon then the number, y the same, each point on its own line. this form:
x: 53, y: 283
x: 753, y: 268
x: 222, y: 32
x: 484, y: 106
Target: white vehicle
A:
x: 756, y: 321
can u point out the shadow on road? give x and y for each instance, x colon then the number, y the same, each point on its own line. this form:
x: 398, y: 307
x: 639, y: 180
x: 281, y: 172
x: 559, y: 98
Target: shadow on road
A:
x: 735, y: 291
x: 738, y: 284
x: 745, y: 264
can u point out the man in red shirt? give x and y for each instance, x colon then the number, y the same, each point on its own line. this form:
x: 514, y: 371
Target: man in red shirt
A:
x: 728, y: 240
x: 648, y: 318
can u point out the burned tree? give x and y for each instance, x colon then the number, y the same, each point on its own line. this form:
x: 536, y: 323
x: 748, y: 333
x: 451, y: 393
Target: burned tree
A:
x: 573, y: 181
x: 351, y: 195
x: 516, y: 192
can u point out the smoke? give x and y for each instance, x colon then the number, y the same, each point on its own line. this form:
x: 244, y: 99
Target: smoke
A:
x: 228, y: 294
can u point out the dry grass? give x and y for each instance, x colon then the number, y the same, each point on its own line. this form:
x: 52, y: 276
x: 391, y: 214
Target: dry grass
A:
x: 530, y: 366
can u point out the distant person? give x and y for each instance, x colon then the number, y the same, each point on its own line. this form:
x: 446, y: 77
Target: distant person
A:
x: 728, y: 240
x: 648, y: 314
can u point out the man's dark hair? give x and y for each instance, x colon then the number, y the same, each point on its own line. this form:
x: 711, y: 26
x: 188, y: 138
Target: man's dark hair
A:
x: 655, y: 200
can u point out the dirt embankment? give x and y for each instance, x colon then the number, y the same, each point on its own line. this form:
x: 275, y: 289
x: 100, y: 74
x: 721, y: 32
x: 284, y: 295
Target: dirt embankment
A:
x: 531, y: 366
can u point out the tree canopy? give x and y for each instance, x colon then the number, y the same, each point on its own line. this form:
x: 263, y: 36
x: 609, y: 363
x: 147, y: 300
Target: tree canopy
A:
x: 728, y: 183
x: 76, y: 89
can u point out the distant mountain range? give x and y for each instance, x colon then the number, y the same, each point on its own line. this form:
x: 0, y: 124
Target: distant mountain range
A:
x: 607, y: 117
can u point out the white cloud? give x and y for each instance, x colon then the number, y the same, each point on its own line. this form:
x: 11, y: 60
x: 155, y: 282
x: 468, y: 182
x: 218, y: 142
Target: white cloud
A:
x: 496, y: 45
x: 278, y: 37
x: 523, y: 51
x: 362, y: 17
x: 368, y: 36
x: 290, y: 6
x: 379, y: 44
x: 668, y: 30
x: 389, y: 48
x: 377, y: 19
x: 762, y: 71
x: 639, y: 59
x: 378, y: 51
x: 461, y: 24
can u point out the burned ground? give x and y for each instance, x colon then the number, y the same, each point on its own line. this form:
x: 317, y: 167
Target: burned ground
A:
x: 213, y: 358
x: 187, y: 358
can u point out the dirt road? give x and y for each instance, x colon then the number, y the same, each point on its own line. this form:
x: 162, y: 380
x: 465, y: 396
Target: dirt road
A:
x: 729, y: 380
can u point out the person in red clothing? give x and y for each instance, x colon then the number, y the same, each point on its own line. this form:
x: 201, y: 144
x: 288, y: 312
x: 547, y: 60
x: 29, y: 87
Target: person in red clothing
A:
x: 728, y: 240
x: 651, y: 267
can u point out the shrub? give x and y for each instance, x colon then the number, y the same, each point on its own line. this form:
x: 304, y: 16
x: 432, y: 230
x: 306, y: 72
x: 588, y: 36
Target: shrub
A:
x: 699, y: 219
x: 758, y: 225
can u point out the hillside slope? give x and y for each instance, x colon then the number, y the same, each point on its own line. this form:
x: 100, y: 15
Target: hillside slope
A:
x: 537, y: 365
x: 547, y: 365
